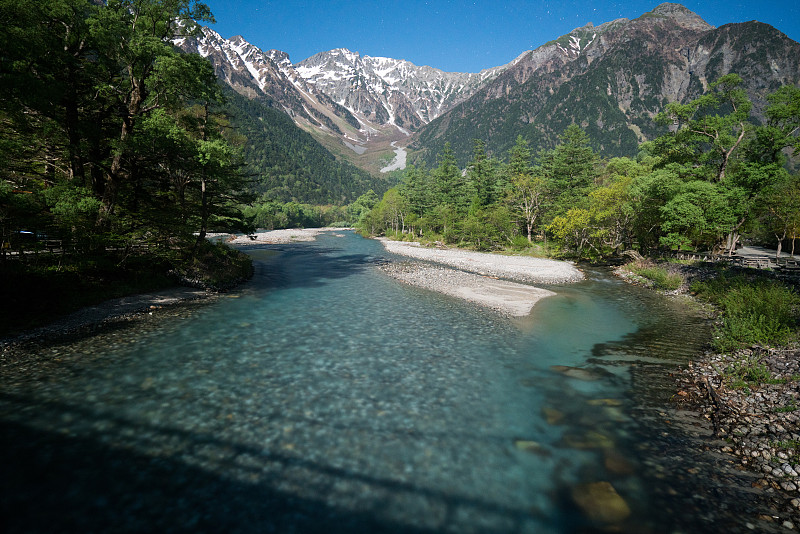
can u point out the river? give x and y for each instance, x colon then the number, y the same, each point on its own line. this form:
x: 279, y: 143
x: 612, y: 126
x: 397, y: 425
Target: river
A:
x: 326, y: 397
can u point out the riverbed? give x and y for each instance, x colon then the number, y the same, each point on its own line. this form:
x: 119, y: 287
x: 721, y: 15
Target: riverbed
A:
x: 324, y: 396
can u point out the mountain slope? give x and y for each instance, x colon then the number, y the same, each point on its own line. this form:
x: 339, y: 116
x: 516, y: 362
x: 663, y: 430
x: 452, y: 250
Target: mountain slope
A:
x: 361, y: 103
x: 612, y: 80
x: 288, y: 164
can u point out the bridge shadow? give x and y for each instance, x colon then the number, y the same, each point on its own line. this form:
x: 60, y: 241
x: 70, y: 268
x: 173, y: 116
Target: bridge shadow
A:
x: 138, y: 477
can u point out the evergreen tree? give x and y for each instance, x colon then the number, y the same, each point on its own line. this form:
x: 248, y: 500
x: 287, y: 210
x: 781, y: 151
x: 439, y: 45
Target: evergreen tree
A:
x: 482, y: 175
x: 570, y: 169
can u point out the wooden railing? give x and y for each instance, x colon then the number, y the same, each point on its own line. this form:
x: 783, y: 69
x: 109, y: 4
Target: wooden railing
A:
x: 783, y: 264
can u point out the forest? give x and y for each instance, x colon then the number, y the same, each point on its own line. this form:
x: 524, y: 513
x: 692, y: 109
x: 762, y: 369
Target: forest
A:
x: 110, y: 137
x: 716, y: 175
x: 116, y: 155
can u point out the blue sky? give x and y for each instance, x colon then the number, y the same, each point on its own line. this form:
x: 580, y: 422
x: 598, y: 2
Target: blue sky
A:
x: 454, y: 35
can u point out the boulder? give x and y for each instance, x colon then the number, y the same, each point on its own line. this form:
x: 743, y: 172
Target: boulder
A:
x: 600, y: 502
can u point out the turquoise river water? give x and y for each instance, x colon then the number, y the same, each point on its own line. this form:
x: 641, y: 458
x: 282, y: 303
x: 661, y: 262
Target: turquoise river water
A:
x: 324, y: 396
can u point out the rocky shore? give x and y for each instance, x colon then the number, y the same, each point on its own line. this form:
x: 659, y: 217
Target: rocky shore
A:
x: 88, y: 320
x: 274, y: 237
x: 758, y: 423
x: 750, y: 400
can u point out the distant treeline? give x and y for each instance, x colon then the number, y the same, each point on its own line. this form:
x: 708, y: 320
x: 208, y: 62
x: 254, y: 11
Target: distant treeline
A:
x: 713, y: 177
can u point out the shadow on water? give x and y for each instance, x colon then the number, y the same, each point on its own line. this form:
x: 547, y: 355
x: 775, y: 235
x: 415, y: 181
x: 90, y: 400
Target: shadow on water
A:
x: 306, y: 265
x: 62, y: 481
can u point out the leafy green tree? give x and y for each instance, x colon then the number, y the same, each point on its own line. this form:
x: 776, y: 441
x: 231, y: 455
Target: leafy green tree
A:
x: 363, y: 204
x: 712, y: 137
x: 416, y: 188
x: 713, y: 141
x: 145, y: 72
x: 783, y: 114
x: 781, y: 208
x: 526, y: 197
x: 450, y: 187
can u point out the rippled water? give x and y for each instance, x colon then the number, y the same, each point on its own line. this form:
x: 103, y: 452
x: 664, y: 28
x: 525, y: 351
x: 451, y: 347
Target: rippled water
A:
x: 326, y: 397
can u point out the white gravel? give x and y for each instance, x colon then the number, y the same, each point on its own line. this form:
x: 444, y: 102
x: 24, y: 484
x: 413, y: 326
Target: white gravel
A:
x: 508, y: 298
x: 520, y: 268
x: 274, y: 237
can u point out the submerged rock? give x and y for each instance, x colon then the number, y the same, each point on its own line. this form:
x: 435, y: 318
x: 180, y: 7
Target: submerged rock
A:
x: 604, y: 402
x: 552, y: 416
x: 600, y: 502
x: 533, y: 447
x: 578, y: 373
x: 617, y: 464
x: 589, y: 440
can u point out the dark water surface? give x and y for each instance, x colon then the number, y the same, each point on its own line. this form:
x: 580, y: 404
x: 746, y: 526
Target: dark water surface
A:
x: 326, y: 397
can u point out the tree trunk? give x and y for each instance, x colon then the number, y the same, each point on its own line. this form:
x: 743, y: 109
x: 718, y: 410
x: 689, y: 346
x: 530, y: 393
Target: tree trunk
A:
x: 115, y: 174
x: 780, y: 244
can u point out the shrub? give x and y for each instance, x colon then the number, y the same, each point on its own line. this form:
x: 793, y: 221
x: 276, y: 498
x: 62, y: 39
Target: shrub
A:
x: 520, y: 242
x: 754, y: 312
x: 659, y: 276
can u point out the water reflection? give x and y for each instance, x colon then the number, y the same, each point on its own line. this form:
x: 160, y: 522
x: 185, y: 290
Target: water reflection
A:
x: 327, y: 397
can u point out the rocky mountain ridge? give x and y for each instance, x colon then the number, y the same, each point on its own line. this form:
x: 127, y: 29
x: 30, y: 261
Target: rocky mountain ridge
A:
x: 612, y: 80
x: 362, y: 101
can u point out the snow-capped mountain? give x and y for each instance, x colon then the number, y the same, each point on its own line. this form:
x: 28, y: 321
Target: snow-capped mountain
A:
x: 341, y: 93
x: 390, y: 91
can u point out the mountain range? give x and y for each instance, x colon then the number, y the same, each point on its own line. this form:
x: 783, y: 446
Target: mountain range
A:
x: 611, y: 79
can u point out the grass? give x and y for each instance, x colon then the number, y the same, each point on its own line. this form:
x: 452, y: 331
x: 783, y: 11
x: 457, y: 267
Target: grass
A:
x: 747, y: 373
x: 660, y: 277
x: 791, y: 407
x: 754, y: 311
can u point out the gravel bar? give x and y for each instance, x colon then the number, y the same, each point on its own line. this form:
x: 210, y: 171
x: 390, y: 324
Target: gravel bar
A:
x: 275, y: 237
x: 508, y: 298
x: 518, y: 268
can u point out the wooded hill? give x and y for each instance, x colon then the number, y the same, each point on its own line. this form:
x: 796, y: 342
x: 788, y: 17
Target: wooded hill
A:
x: 286, y: 164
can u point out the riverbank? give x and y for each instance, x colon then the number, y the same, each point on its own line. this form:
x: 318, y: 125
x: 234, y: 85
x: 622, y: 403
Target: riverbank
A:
x: 749, y: 401
x: 113, y: 311
x: 274, y: 237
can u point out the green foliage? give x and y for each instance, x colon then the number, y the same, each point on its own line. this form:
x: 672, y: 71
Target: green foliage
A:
x: 747, y: 372
x: 659, y: 276
x: 270, y: 215
x: 753, y: 311
x: 114, y: 147
x: 696, y: 187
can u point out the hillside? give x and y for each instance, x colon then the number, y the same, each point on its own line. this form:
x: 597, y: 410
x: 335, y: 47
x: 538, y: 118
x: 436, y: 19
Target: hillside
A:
x: 288, y: 164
